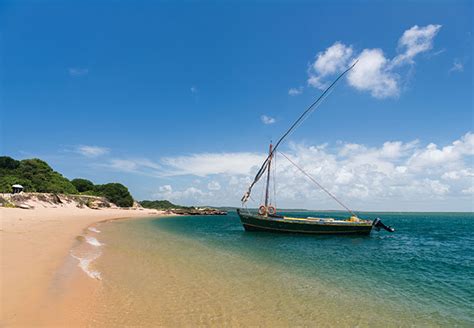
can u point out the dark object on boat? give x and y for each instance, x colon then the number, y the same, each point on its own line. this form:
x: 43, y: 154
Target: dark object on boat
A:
x: 266, y: 219
x: 379, y: 224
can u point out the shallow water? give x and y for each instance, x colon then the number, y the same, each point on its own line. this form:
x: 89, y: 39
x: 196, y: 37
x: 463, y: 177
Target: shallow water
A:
x: 206, y: 270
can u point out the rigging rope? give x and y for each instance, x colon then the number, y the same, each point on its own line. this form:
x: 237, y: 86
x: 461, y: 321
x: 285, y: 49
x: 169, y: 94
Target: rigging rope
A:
x: 274, y: 181
x: 318, y: 184
x: 300, y: 120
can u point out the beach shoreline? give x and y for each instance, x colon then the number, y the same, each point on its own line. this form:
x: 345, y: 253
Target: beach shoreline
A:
x: 35, y: 246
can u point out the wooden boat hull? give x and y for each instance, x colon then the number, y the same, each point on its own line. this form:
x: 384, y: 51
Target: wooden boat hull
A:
x: 253, y: 222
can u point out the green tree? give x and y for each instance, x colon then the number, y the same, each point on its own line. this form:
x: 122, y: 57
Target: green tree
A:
x: 83, y: 185
x: 8, y: 163
x: 116, y: 193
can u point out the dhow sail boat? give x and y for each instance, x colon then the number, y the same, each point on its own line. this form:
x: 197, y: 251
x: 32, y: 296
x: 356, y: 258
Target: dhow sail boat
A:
x: 267, y: 218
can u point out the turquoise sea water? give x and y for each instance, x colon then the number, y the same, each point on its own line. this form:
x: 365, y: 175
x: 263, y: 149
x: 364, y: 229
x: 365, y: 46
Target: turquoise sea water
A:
x: 423, y: 274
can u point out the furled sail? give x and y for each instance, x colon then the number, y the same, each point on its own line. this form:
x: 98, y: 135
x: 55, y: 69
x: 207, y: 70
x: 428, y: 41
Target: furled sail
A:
x: 300, y: 120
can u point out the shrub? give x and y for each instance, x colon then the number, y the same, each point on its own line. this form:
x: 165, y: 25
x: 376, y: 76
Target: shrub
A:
x: 83, y: 185
x: 159, y: 204
x: 8, y: 163
x: 116, y: 193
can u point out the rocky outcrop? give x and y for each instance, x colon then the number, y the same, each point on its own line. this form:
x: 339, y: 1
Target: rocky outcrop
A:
x: 198, y: 211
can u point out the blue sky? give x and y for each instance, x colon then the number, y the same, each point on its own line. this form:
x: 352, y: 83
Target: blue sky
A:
x: 172, y: 99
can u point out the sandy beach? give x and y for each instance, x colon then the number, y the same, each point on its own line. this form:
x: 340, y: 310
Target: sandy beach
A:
x: 35, y: 244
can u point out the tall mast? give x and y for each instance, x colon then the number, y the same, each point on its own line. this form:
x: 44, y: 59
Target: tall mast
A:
x: 266, y: 164
x: 268, y: 175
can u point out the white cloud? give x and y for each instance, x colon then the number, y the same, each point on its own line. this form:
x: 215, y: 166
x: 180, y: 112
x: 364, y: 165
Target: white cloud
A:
x: 333, y: 60
x: 214, y: 185
x: 91, y: 151
x: 190, y: 195
x: 374, y: 73
x: 468, y: 191
x: 295, y: 91
x: 437, y: 187
x: 457, y: 66
x: 267, y: 119
x: 394, y: 175
x: 78, y: 71
x: 206, y: 164
x: 165, y: 189
x: 460, y: 174
x: 414, y: 41
x: 448, y: 156
x: 135, y: 165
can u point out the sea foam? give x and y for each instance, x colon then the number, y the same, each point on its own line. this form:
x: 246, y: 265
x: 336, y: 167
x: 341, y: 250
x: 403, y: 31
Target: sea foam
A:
x: 93, y: 229
x: 84, y: 265
x: 92, y: 241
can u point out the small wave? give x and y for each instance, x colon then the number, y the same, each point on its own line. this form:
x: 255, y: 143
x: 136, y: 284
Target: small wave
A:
x: 92, y: 241
x: 93, y: 229
x: 84, y: 265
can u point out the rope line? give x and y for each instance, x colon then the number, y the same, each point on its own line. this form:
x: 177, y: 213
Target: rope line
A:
x: 300, y: 120
x: 318, y: 184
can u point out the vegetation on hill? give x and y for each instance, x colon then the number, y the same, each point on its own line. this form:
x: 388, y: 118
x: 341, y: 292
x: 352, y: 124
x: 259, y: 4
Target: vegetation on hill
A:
x: 83, y: 185
x: 36, y: 175
x: 117, y: 193
x: 160, y: 204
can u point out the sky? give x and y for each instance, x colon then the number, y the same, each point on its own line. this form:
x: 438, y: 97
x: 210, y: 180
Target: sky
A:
x: 180, y: 100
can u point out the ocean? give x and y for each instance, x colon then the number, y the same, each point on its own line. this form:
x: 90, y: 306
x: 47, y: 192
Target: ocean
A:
x: 206, y: 270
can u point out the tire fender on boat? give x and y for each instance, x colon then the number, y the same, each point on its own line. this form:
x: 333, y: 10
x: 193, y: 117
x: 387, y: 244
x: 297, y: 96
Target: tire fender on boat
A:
x: 262, y: 210
x: 271, y: 210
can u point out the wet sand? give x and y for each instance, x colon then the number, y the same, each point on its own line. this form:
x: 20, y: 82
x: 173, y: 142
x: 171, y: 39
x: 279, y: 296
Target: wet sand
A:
x: 35, y: 256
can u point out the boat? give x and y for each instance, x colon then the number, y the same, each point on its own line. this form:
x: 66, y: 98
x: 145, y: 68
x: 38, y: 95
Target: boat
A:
x: 266, y: 219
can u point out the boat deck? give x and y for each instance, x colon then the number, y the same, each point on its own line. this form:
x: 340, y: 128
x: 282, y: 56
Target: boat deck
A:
x: 328, y: 221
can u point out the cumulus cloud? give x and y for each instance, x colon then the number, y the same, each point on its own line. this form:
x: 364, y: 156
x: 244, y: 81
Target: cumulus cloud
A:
x: 214, y: 185
x: 190, y: 195
x: 372, y: 74
x: 409, y: 175
x: 375, y: 73
x: 91, y: 151
x: 333, y: 60
x: 267, y: 119
x: 448, y: 156
x: 368, y: 177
